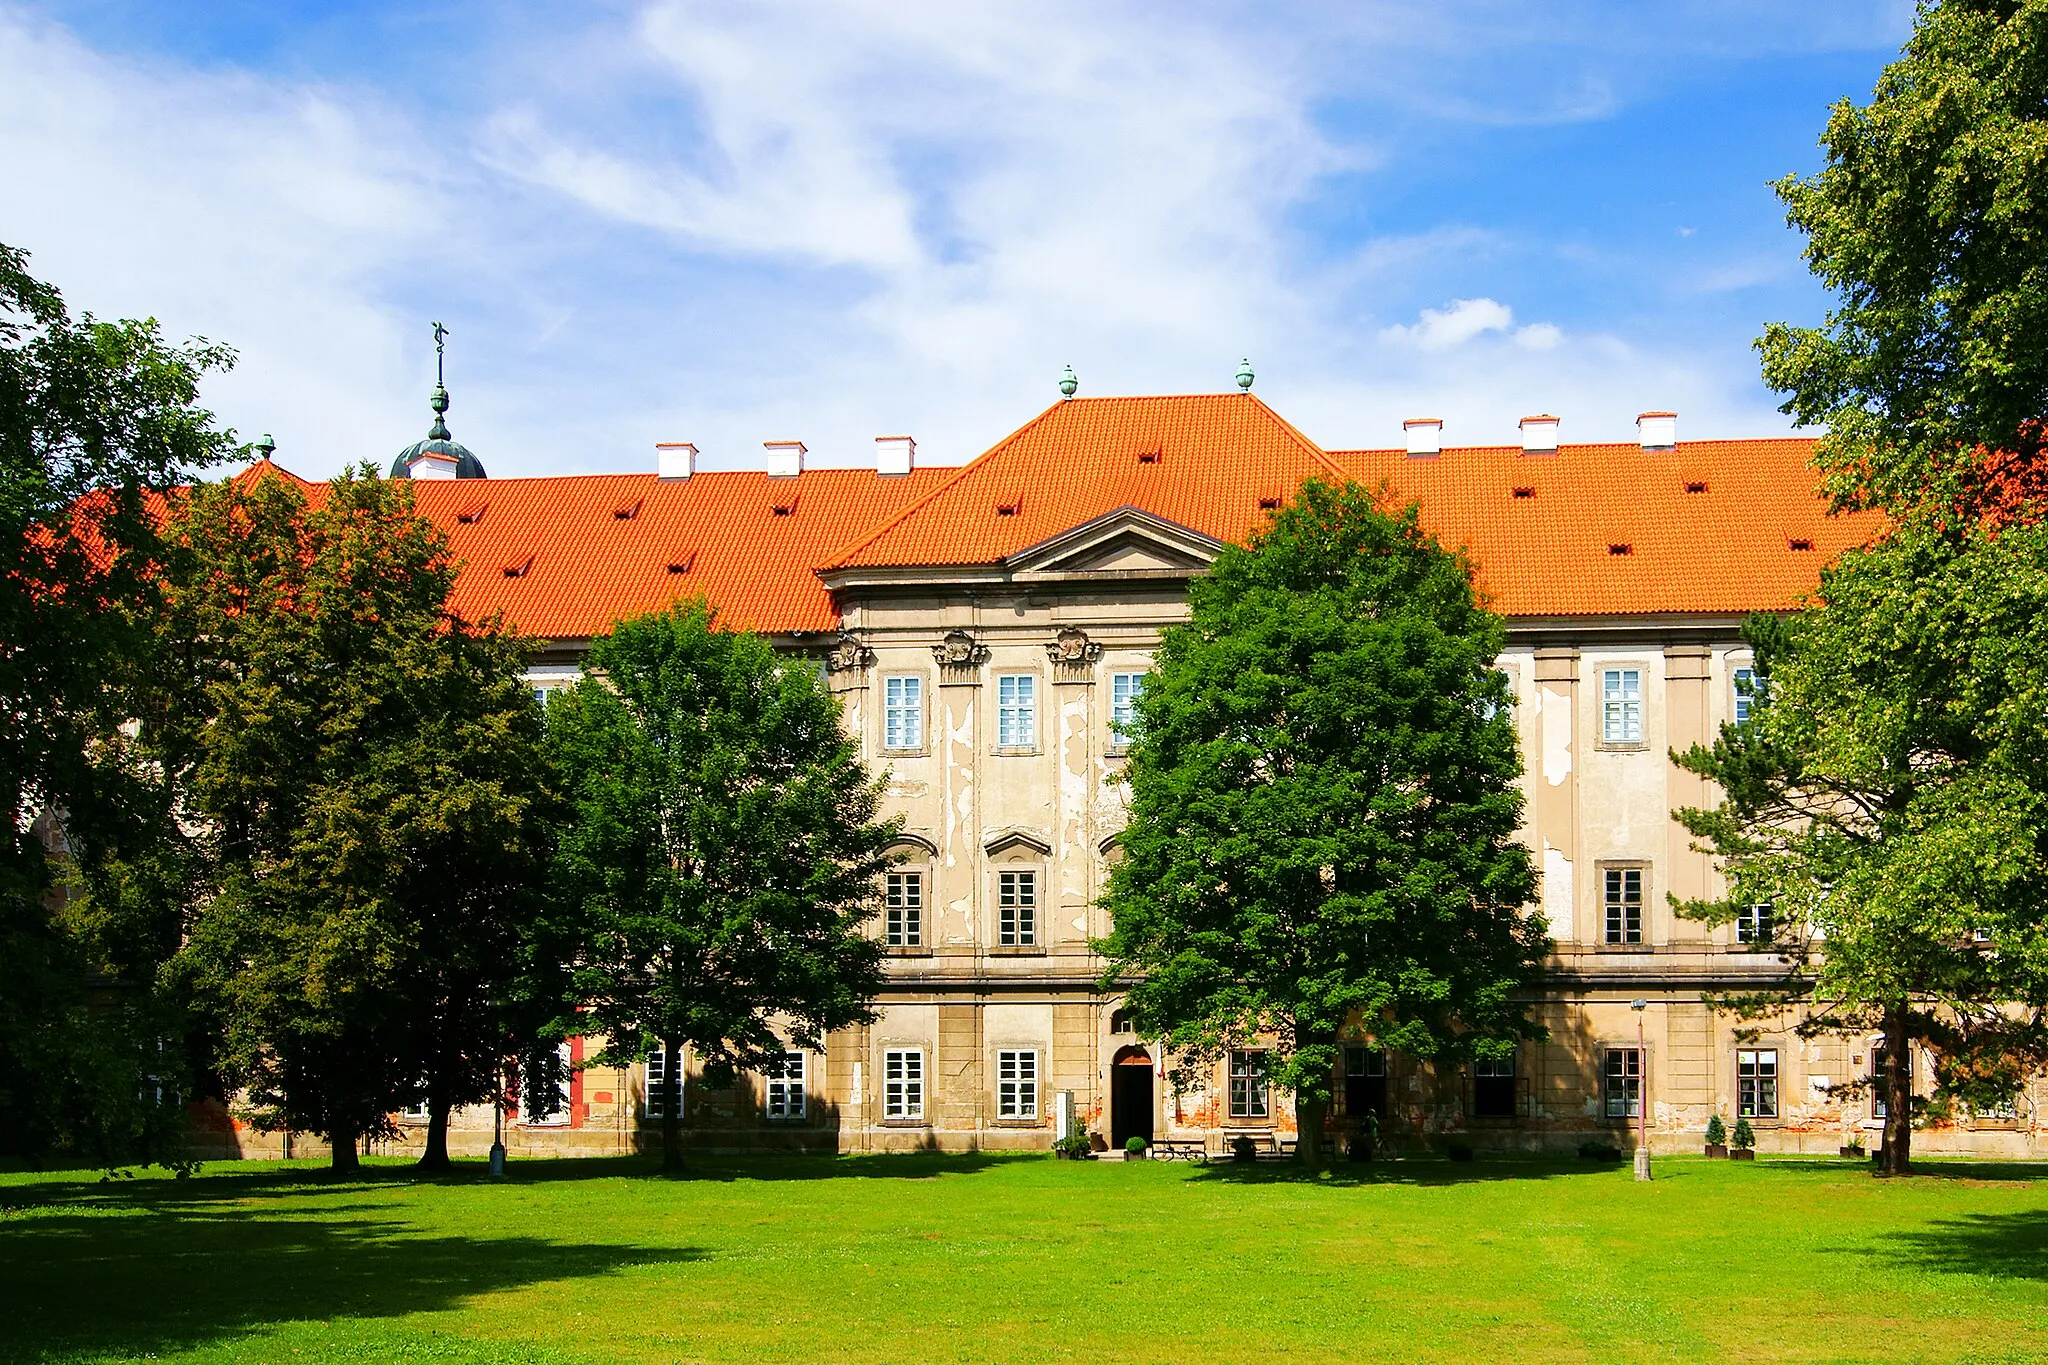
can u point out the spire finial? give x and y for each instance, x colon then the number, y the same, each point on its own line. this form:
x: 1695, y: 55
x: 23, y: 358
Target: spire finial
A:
x: 264, y: 447
x: 439, y: 402
x: 1244, y: 375
x: 1068, y: 383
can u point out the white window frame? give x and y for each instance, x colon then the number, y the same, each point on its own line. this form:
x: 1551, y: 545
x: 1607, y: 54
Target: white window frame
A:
x: 1017, y: 1083
x: 651, y: 1089
x: 903, y: 909
x: 1756, y: 1083
x: 903, y: 712
x: 1251, y: 1093
x: 903, y: 1084
x: 1621, y: 705
x: 1621, y: 1082
x: 786, y: 1096
x: 1615, y: 904
x: 1016, y: 711
x: 1755, y: 923
x: 1017, y: 907
x: 1123, y: 707
x: 1743, y: 699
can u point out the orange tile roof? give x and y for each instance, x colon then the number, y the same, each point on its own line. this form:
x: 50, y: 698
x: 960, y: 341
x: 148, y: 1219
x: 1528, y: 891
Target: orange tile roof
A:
x: 1613, y: 528
x: 565, y: 557
x: 1203, y: 461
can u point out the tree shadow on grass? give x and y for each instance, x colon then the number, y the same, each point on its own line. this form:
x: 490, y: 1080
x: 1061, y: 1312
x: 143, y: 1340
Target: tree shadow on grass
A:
x: 141, y: 1269
x: 2009, y: 1245
x: 1957, y: 1168
x: 1427, y: 1172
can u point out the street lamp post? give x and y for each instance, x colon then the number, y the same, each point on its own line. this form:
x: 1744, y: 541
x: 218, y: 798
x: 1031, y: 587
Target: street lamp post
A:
x: 1642, y: 1094
x: 498, y: 1128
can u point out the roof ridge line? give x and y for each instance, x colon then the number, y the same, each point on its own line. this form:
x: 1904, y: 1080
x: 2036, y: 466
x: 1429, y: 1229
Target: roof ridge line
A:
x: 1343, y: 474
x: 839, y: 557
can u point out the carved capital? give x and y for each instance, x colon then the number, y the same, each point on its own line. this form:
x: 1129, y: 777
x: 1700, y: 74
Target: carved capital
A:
x: 1073, y: 646
x: 959, y: 650
x: 848, y: 653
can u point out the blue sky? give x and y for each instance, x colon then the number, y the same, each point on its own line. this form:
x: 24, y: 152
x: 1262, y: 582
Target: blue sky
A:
x: 734, y: 223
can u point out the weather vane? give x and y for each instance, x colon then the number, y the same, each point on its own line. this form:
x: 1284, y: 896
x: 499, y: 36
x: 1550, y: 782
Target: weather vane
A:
x: 440, y: 355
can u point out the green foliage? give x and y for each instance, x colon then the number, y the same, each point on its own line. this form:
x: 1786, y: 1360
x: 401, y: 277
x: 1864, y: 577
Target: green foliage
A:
x: 1717, y: 1132
x: 1927, y: 224
x: 96, y: 419
x: 1135, y: 1145
x: 349, y: 806
x: 1323, y: 809
x: 1744, y: 1136
x: 1889, y: 799
x: 724, y: 848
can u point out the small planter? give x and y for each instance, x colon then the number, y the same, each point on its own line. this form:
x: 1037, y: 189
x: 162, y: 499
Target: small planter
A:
x: 1854, y: 1151
x: 1717, y: 1149
x: 1743, y: 1154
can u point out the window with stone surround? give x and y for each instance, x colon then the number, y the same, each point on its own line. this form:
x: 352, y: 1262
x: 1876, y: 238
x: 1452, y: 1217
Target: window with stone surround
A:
x: 1621, y: 706
x: 1016, y: 710
x: 1756, y: 1083
x: 1123, y: 707
x: 903, y: 712
x: 786, y: 1098
x: 903, y: 1083
x: 654, y: 1104
x: 1493, y: 1088
x: 1016, y: 909
x: 1016, y: 1084
x: 1622, y: 900
x: 1250, y: 1094
x: 1622, y: 1083
x: 903, y: 910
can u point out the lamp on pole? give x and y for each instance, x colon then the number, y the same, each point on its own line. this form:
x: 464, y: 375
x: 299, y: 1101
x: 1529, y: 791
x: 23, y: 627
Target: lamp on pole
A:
x: 498, y: 1124
x: 1642, y: 1094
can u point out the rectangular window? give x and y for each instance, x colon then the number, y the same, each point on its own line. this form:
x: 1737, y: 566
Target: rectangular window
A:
x: 903, y: 713
x: 559, y: 1111
x: 903, y: 1083
x: 786, y: 1087
x: 1016, y: 711
x: 1123, y: 706
x: 903, y: 910
x: 1248, y: 1089
x: 1365, y: 1081
x: 1754, y: 923
x: 1493, y: 1088
x: 656, y: 1102
x: 1621, y: 705
x: 1017, y: 909
x: 1745, y: 693
x: 1624, y: 905
x: 1016, y: 1085
x: 1756, y: 1084
x: 540, y: 697
x: 1624, y: 1083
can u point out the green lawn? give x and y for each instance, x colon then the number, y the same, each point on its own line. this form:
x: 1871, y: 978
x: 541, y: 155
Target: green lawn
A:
x: 936, y: 1258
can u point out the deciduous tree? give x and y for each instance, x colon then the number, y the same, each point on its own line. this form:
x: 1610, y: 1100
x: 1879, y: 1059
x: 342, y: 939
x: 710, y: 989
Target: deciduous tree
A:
x: 1323, y: 809
x: 1887, y: 801
x: 722, y: 851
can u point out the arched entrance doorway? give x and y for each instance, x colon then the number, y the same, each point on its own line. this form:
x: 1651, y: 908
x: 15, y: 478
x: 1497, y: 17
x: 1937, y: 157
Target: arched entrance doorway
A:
x: 1130, y: 1096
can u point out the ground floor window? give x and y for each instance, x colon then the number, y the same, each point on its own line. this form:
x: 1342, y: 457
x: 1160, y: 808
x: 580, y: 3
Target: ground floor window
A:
x: 558, y: 1111
x: 1879, y: 1070
x: 655, y: 1104
x: 786, y: 1087
x: 1365, y: 1081
x: 1756, y: 1084
x: 1493, y: 1088
x: 1249, y: 1095
x: 1624, y: 1082
x: 903, y: 1083
x: 1016, y: 1084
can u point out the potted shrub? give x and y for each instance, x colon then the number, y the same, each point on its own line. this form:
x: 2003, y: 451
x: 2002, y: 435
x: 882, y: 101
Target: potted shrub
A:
x: 1134, y: 1148
x: 1075, y: 1146
x: 1745, y: 1142
x: 1717, y: 1137
x: 1853, y: 1149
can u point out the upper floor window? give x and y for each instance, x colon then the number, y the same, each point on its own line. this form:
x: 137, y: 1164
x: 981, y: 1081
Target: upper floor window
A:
x: 1123, y: 706
x: 903, y: 910
x: 903, y: 713
x: 1624, y: 897
x: 1621, y: 706
x: 786, y: 1087
x: 1016, y: 909
x: 1016, y: 710
x: 1745, y: 693
x: 1250, y: 1096
x: 1754, y: 923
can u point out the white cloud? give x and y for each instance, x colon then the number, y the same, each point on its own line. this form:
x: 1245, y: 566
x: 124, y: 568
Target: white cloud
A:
x: 1439, y: 329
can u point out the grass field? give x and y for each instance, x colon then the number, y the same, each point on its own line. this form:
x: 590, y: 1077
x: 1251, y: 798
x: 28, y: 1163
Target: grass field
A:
x: 937, y: 1258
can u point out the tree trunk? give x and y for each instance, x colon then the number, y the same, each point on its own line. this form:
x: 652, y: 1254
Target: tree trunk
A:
x: 435, y: 1158
x: 671, y: 1142
x: 1898, y: 1093
x: 343, y: 1159
x: 1308, y: 1116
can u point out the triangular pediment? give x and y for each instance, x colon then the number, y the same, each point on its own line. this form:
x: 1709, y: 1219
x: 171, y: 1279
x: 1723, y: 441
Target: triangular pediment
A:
x: 1124, y: 540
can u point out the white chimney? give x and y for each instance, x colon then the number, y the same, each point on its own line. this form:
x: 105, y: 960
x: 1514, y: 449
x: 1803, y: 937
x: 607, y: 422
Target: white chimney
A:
x: 895, y: 454
x: 1539, y: 434
x: 674, y: 459
x: 785, y: 458
x: 1657, y: 430
x: 1425, y: 435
